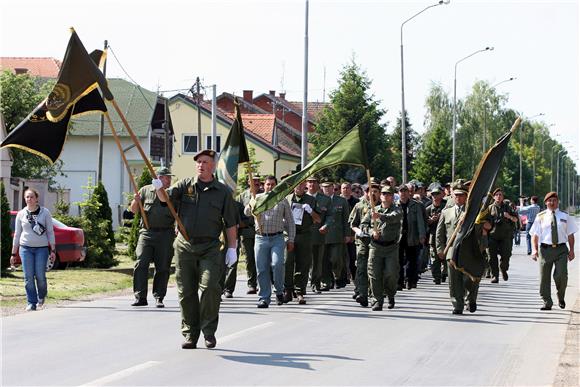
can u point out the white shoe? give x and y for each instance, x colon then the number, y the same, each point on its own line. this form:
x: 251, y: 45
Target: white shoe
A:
x: 40, y: 303
x: 30, y: 307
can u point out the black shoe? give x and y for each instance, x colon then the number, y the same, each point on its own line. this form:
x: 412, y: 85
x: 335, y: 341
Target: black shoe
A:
x: 546, y: 307
x: 279, y: 299
x: 252, y: 290
x: 562, y: 304
x: 457, y: 311
x: 377, y: 306
x: 391, y: 303
x: 228, y: 294
x: 529, y: 253
x: 188, y: 344
x: 472, y: 307
x: 287, y: 297
x: 325, y: 289
x: 399, y: 287
x: 409, y: 286
x: 210, y: 341
x: 262, y: 304
x: 355, y: 296
x: 444, y: 278
x: 504, y: 275
x: 301, y: 300
x: 362, y: 300
x: 494, y: 280
x: 140, y: 302
x: 437, y: 281
x: 488, y: 275
x: 316, y: 290
x: 159, y: 303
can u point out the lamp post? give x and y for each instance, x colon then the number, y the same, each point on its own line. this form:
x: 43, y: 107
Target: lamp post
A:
x: 455, y: 107
x: 485, y: 113
x: 552, y: 165
x: 558, y: 171
x: 403, y: 113
x: 548, y: 139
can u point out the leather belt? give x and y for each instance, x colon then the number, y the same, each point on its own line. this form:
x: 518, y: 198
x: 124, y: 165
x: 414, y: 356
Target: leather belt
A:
x: 269, y: 234
x: 384, y: 244
x: 552, y: 246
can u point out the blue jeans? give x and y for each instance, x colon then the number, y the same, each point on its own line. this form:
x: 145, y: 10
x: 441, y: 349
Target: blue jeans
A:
x: 269, y: 252
x: 34, y: 267
x: 529, y: 237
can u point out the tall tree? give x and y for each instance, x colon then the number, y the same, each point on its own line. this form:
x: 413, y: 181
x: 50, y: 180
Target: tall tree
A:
x: 353, y: 103
x: 19, y: 95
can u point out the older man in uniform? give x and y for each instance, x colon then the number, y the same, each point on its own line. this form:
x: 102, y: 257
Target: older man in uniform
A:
x: 503, y: 220
x: 248, y: 235
x: 413, y: 235
x: 154, y: 244
x: 383, y: 268
x: 459, y: 283
x: 317, y: 232
x: 438, y: 266
x: 360, y: 210
x: 205, y: 207
x: 550, y: 232
x: 298, y: 261
x: 337, y: 236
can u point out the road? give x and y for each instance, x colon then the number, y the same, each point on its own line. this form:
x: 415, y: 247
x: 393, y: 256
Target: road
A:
x: 330, y: 341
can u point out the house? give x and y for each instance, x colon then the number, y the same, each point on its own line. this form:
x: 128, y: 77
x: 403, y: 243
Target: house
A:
x: 274, y: 148
x: 147, y: 115
x: 36, y: 67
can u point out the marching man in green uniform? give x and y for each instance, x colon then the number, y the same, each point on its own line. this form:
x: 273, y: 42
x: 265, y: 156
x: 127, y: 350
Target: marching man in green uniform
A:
x: 459, y: 283
x: 551, y: 230
x: 298, y: 261
x: 360, y: 210
x: 248, y: 236
x: 154, y: 244
x: 503, y: 219
x: 383, y: 267
x: 317, y: 232
x: 337, y: 236
x: 206, y: 207
x: 438, y: 266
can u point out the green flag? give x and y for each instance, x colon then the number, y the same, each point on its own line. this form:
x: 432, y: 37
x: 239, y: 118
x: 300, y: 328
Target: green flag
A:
x: 349, y: 149
x: 466, y: 255
x: 78, y: 76
x: 234, y: 152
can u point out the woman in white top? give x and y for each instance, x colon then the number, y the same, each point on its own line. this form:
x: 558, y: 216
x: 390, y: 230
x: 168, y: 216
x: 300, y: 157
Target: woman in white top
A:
x: 34, y: 238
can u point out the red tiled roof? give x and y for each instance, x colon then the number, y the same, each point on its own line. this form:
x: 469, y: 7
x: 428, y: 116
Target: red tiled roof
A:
x: 262, y: 125
x: 38, y: 67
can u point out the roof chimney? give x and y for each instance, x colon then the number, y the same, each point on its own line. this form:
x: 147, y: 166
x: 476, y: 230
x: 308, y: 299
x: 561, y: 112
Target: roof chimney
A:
x: 249, y: 95
x: 273, y: 93
x: 283, y: 95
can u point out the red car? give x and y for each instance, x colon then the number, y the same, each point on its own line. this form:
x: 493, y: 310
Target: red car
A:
x: 70, y: 243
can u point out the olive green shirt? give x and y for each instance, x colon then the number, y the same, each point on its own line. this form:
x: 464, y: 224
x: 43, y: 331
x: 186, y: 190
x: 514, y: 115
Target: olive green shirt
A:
x: 322, y: 206
x: 389, y: 223
x: 204, y: 208
x: 360, y: 210
x: 503, y: 228
x: 337, y: 220
x: 158, y: 214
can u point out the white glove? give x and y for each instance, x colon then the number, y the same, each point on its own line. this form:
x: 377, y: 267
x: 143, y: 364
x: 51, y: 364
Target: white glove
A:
x: 307, y: 208
x: 359, y: 233
x: 231, y: 257
x: 157, y: 183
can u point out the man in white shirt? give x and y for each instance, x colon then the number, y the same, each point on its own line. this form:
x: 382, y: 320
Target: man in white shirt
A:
x: 551, y: 230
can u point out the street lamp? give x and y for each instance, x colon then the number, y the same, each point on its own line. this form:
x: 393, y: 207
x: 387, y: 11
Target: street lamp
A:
x: 403, y: 113
x: 558, y: 169
x: 552, y: 165
x: 485, y: 112
x: 455, y: 107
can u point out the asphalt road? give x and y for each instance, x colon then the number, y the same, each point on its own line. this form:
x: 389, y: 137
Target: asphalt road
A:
x: 329, y: 341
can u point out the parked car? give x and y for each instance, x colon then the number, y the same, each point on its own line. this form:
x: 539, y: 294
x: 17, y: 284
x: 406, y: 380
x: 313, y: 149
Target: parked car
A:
x: 70, y: 244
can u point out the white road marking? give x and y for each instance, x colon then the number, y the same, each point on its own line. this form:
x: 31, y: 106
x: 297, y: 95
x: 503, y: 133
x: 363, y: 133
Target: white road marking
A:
x: 234, y: 336
x: 122, y: 374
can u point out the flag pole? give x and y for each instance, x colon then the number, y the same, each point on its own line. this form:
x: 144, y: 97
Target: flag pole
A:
x: 371, y: 200
x: 253, y: 191
x: 135, y: 189
x: 150, y: 167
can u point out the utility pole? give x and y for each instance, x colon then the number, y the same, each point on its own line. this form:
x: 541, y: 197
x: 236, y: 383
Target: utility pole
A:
x: 102, y: 129
x: 199, y: 148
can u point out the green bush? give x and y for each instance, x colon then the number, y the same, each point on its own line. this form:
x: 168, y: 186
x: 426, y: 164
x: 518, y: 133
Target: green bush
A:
x: 6, y: 237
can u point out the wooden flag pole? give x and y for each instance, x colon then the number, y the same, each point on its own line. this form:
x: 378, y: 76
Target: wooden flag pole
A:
x: 135, y: 188
x: 371, y: 200
x: 253, y: 191
x: 151, y: 170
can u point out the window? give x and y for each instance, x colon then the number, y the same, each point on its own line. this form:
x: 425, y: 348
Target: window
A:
x: 189, y: 144
x: 218, y: 141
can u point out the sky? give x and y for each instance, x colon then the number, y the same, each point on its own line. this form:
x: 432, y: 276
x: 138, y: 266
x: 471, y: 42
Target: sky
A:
x: 259, y: 45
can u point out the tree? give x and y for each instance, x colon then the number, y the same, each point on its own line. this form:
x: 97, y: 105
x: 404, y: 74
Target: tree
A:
x: 19, y: 95
x: 412, y: 144
x: 6, y: 232
x: 352, y: 103
x: 144, y: 180
x: 433, y: 162
x: 242, y: 170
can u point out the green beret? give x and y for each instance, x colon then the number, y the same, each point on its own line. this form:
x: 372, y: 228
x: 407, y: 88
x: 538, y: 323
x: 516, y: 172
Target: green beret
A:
x: 205, y: 152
